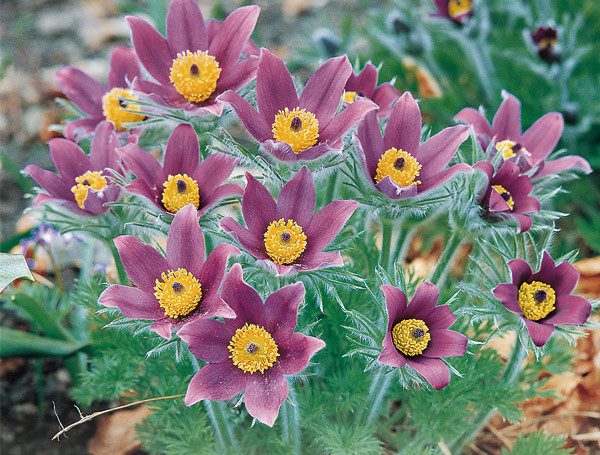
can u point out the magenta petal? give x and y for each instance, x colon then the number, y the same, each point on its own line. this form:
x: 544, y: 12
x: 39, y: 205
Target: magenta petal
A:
x: 151, y: 48
x: 570, y: 309
x: 403, y: 130
x: 258, y: 206
x: 384, y: 96
x: 436, y: 180
x: 78, y: 129
x: 143, y: 165
x: 323, y: 91
x: 124, y: 67
x: 441, y: 318
x: 297, y: 199
x: 50, y: 182
x: 507, y: 121
x: 238, y: 75
x: 541, y: 137
x: 446, y: 343
x: 182, y: 154
x: 85, y: 92
x: 215, y: 196
x: 133, y: 303
x: 242, y: 299
x: 275, y: 88
x: 434, y: 371
x: 539, y: 333
x: 564, y: 278
x: 547, y: 271
x: 213, y: 269
x: 497, y: 203
x: 364, y: 82
x: 103, y: 152
x: 476, y: 119
x: 281, y: 310
x: 525, y: 222
x: 214, y: 306
x: 319, y: 260
x: 208, y: 339
x: 185, y: 27
x: 389, y: 354
x: 520, y: 271
x: 388, y: 187
x: 163, y: 327
x: 508, y: 293
x: 296, y: 351
x: 424, y: 301
x: 211, y: 172
x: 253, y: 243
x: 185, y: 244
x: 69, y: 159
x: 371, y: 142
x: 395, y: 302
x: 327, y: 223
x: 252, y: 120
x: 437, y: 151
x: 96, y: 200
x: 140, y: 187
x: 346, y: 119
x: 143, y: 264
x: 564, y: 164
x: 264, y: 395
x: 215, y: 381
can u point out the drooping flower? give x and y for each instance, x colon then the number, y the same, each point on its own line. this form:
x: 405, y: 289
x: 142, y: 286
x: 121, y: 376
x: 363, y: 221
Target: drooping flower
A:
x: 364, y: 85
x: 102, y: 102
x: 543, y: 299
x: 253, y: 352
x: 398, y: 164
x: 419, y: 335
x: 546, y: 42
x: 82, y: 185
x: 507, y: 194
x: 529, y: 149
x: 174, y: 290
x: 458, y: 11
x: 192, y: 67
x: 287, y: 233
x: 182, y: 179
x: 294, y: 128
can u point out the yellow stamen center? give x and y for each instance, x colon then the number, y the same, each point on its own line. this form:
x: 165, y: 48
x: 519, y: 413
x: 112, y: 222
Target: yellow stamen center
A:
x: 298, y: 127
x: 284, y: 241
x: 178, y: 292
x: 180, y: 190
x: 545, y: 43
x: 195, y: 75
x: 411, y: 336
x: 457, y: 8
x: 505, y: 194
x: 116, y: 110
x: 253, y: 349
x: 537, y: 300
x: 91, y: 180
x: 349, y: 97
x: 400, y: 166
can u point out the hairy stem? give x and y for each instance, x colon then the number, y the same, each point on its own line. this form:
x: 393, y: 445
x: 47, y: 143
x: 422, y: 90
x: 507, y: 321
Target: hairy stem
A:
x: 118, y: 264
x: 386, y: 244
x: 440, y: 272
x: 377, y: 391
x: 290, y: 418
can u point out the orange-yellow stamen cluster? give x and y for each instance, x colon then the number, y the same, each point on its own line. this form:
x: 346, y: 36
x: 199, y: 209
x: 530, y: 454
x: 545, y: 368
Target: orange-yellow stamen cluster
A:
x: 298, y: 128
x: 411, y: 336
x: 91, y: 180
x: 253, y: 349
x: 179, y: 191
x: 505, y: 194
x: 537, y: 300
x: 117, y: 110
x: 178, y: 292
x: 400, y: 166
x: 284, y: 241
x: 457, y: 8
x: 195, y: 74
x: 350, y: 97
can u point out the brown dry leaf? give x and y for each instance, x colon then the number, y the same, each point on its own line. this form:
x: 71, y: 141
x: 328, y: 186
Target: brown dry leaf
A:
x: 589, y: 281
x: 115, y: 433
x: 295, y: 7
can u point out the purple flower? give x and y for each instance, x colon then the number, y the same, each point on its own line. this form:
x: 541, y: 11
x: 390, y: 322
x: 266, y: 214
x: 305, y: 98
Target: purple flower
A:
x: 543, y: 299
x: 182, y: 179
x: 253, y: 352
x: 546, y: 42
x: 174, y: 290
x: 287, y: 233
x: 192, y: 67
x: 364, y: 85
x: 82, y: 185
x: 102, y: 102
x: 294, y: 128
x: 213, y: 27
x: 529, y: 149
x: 399, y: 165
x: 458, y: 11
x: 507, y: 194
x: 418, y: 334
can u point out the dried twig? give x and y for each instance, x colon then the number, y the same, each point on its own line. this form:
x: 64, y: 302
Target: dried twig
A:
x: 500, y: 436
x: 565, y: 415
x: 87, y: 418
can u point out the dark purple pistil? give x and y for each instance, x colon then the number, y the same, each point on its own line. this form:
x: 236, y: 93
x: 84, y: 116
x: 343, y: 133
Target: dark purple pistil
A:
x: 296, y: 124
x: 181, y: 186
x: 122, y: 104
x: 86, y: 182
x: 177, y: 286
x: 540, y: 296
x: 251, y: 348
x: 360, y: 94
x: 194, y: 70
x: 399, y: 163
x: 285, y: 236
x: 418, y: 333
x: 505, y: 196
x: 517, y: 148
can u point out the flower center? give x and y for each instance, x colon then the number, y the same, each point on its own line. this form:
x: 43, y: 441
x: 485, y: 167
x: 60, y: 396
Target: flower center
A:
x: 180, y: 190
x: 195, y: 74
x: 400, y: 166
x: 90, y: 180
x: 546, y: 43
x: 117, y: 110
x: 536, y: 299
x: 350, y: 97
x: 411, y: 336
x: 178, y: 292
x: 253, y: 349
x: 457, y: 8
x: 298, y: 128
x: 284, y: 241
x: 510, y: 149
x: 505, y: 194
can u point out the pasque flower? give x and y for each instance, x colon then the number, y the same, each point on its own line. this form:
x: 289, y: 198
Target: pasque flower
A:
x: 182, y: 179
x: 287, y: 233
x: 457, y: 11
x: 364, y: 85
x: 419, y: 335
x: 294, y: 128
x: 529, y: 149
x: 192, y: 67
x: 83, y: 184
x: 398, y: 164
x: 253, y: 352
x: 171, y: 290
x: 546, y: 42
x: 543, y: 299
x: 507, y: 194
x: 102, y: 102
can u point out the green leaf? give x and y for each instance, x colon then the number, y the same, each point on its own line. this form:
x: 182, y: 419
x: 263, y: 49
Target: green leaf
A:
x: 12, y: 266
x: 16, y: 343
x: 49, y: 323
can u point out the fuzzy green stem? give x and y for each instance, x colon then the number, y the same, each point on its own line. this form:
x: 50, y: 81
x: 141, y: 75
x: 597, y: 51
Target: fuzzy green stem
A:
x: 379, y: 387
x: 290, y: 419
x: 331, y: 188
x: 118, y: 264
x: 440, y: 272
x: 386, y: 244
x: 405, y: 238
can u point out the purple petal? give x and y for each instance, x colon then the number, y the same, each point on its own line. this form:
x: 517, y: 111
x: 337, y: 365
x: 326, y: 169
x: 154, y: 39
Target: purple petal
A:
x: 389, y: 354
x: 124, y: 67
x: 346, y: 119
x: 163, y: 327
x: 424, y: 301
x: 133, y: 303
x: 548, y: 272
x: 437, y: 151
x: 252, y: 120
x: 50, y: 182
x: 215, y: 381
x: 440, y: 318
x: 364, y: 82
x: 242, y: 299
x: 497, y: 203
x: 220, y: 193
x: 384, y: 96
x: 208, y: 339
x: 282, y: 151
x: 323, y: 91
x: 69, y: 159
x: 525, y: 222
x: 237, y: 75
x: 371, y: 142
x: 508, y: 294
x: 541, y: 137
x: 143, y: 264
x: 539, y: 333
x: 296, y: 351
x: 319, y: 260
x: 183, y: 152
x: 185, y: 27
x: 78, y: 129
x: 297, y: 199
x: 564, y: 278
x: 434, y: 371
x: 403, y: 130
x: 140, y: 187
x: 281, y: 310
x: 275, y: 89
x: 507, y: 121
x: 258, y: 206
x: 446, y: 343
x: 388, y: 187
x: 151, y: 48
x: 85, y: 92
x: 213, y: 171
x: 433, y: 181
x: 327, y: 223
x: 214, y: 306
x: 520, y: 271
x: 185, y: 244
x: 563, y: 164
x: 96, y: 200
x: 570, y: 309
x: 395, y: 302
x: 252, y: 242
x: 213, y: 269
x: 476, y: 119
x: 264, y: 395
x: 103, y: 152
x: 486, y: 167
x: 143, y: 165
